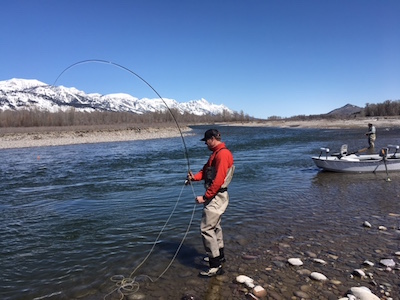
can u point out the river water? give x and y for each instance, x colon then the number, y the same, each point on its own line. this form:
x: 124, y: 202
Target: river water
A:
x: 74, y: 220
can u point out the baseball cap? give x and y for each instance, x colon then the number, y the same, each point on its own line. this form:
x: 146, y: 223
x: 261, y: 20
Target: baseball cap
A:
x: 210, y: 133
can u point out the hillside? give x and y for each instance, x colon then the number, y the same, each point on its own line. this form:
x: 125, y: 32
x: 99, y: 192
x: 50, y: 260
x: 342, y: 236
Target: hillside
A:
x: 347, y: 110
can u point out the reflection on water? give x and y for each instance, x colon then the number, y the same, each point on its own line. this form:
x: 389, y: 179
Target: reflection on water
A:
x: 72, y: 217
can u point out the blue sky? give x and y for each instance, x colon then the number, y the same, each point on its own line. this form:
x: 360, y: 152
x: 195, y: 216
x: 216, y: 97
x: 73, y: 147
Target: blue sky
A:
x: 265, y: 58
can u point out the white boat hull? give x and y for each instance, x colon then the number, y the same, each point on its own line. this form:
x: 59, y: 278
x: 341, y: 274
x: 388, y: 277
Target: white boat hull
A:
x: 358, y: 163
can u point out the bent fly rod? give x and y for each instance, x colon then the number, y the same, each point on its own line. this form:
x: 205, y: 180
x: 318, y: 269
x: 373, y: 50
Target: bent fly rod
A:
x: 142, y: 79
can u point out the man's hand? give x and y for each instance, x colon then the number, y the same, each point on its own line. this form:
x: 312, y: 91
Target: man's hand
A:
x: 190, y: 176
x: 200, y: 199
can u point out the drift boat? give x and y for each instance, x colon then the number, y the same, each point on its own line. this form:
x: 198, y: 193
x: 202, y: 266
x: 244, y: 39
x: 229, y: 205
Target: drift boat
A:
x: 358, y: 163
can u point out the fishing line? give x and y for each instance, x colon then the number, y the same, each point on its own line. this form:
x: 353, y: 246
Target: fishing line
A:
x: 128, y: 286
x: 142, y: 79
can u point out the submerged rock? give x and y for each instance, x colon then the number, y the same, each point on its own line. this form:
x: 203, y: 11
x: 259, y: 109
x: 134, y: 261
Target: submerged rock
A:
x: 368, y: 263
x: 259, y: 291
x: 246, y: 280
x: 302, y: 295
x: 318, y: 276
x: 295, y: 261
x: 363, y: 293
x: 367, y: 224
x: 311, y: 254
x: 359, y: 273
x: 249, y: 257
x: 320, y: 261
x: 388, y: 262
x: 304, y: 272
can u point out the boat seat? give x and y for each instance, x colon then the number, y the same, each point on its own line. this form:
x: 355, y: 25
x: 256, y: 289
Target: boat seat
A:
x: 343, y: 150
x: 342, y: 153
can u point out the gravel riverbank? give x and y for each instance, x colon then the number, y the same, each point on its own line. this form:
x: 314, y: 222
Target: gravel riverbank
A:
x: 34, y: 138
x: 38, y: 137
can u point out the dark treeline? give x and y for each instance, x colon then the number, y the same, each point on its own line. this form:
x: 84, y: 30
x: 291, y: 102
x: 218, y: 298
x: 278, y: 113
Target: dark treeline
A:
x: 37, y: 118
x: 389, y: 108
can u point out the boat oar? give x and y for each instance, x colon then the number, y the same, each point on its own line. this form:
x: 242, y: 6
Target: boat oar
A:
x: 383, y: 153
x: 387, y: 174
x: 378, y: 165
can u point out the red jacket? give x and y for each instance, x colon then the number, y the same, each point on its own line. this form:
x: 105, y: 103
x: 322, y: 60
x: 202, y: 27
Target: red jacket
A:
x: 221, y: 159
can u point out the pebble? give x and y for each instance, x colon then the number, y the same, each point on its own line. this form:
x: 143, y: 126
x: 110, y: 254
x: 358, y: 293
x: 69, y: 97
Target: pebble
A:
x: 363, y: 293
x: 397, y: 253
x: 367, y: 224
x: 311, y: 254
x: 246, y: 280
x: 359, y: 273
x: 318, y: 276
x: 388, y: 262
x: 295, y: 261
x: 279, y: 264
x: 368, y: 263
x: 335, y: 282
x: 136, y: 296
x: 304, y: 272
x: 259, y: 291
x: 301, y: 295
x: 249, y: 257
x: 320, y: 261
x: 335, y: 257
x: 382, y: 228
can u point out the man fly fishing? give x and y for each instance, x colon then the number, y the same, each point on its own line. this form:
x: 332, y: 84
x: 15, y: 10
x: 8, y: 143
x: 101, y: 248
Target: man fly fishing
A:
x: 217, y: 173
x: 371, y: 137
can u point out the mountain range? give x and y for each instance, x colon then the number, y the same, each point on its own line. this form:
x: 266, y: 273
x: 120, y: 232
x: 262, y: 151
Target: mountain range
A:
x: 18, y: 94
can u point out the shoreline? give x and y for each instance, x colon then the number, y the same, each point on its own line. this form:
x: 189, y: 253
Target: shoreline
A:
x: 379, y: 122
x: 16, y: 140
x: 11, y: 138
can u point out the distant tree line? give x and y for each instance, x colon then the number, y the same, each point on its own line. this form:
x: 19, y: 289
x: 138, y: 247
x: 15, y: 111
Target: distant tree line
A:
x: 71, y: 117
x: 385, y: 109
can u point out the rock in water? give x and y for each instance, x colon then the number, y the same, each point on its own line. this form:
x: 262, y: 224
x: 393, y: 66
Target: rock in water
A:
x: 367, y: 224
x: 246, y: 280
x: 363, y: 293
x: 320, y: 261
x: 388, y: 262
x: 368, y: 263
x: 295, y: 261
x: 318, y: 276
x: 259, y: 291
x: 359, y: 273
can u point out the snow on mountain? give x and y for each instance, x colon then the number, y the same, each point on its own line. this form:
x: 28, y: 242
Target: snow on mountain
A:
x: 17, y: 94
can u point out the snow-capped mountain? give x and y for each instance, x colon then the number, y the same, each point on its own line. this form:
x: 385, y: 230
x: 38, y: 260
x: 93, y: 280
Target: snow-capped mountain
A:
x: 17, y: 94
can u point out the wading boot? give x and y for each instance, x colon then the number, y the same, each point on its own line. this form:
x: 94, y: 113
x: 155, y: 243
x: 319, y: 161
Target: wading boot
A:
x: 221, y: 256
x: 215, y: 268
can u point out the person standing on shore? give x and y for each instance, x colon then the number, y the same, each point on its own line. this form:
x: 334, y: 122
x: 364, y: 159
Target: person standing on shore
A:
x: 217, y: 173
x: 371, y: 137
